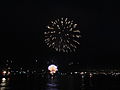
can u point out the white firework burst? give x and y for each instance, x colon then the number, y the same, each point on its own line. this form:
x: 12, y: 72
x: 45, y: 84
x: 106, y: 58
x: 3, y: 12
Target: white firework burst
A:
x: 62, y: 35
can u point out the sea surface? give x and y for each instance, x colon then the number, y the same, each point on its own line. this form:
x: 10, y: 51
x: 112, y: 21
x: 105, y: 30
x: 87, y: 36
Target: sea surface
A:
x: 63, y: 82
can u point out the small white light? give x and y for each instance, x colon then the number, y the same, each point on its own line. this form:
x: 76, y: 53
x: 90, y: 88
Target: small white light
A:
x: 91, y: 74
x: 3, y: 79
x: 76, y: 72
x: 82, y: 73
x: 4, y: 72
x: 8, y: 73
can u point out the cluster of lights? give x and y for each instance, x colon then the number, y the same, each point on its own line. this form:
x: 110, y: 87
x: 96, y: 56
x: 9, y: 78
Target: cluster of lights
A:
x: 53, y: 69
x: 4, y: 73
x: 62, y: 35
x: 23, y: 72
x: 91, y: 74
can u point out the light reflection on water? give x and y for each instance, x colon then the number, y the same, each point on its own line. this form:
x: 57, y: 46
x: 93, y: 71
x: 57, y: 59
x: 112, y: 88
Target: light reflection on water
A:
x: 4, y: 83
x: 60, y: 83
x: 52, y: 84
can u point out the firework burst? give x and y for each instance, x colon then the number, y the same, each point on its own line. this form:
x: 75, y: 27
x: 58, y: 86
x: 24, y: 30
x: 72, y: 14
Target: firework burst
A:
x: 62, y: 35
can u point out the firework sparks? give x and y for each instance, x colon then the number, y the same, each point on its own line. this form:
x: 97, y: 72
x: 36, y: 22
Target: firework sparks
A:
x: 62, y: 35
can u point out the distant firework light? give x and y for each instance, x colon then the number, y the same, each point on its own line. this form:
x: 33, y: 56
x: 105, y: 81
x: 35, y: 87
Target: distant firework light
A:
x: 62, y: 35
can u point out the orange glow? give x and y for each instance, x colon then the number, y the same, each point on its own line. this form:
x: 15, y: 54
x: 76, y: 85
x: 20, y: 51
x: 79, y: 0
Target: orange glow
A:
x: 52, y: 69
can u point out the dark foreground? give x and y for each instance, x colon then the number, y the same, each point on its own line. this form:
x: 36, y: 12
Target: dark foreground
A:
x: 66, y: 82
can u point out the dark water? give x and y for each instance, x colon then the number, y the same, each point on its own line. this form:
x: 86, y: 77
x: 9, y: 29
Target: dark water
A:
x: 74, y: 82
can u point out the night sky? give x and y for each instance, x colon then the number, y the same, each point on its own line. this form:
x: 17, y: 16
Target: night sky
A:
x: 23, y: 24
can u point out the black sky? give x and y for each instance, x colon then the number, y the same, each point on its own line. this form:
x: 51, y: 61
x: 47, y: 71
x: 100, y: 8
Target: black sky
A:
x: 23, y: 24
